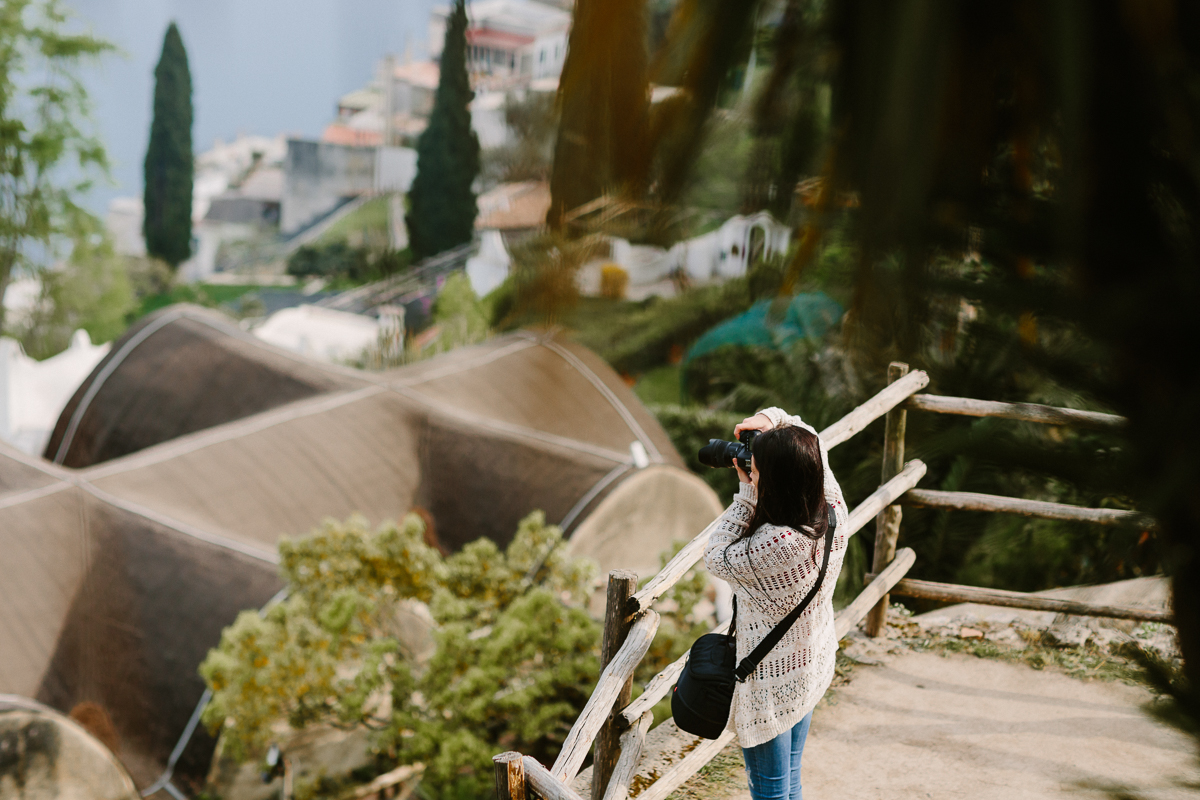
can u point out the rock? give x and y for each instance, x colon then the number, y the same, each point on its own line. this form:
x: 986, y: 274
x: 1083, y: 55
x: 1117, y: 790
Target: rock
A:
x: 969, y: 633
x: 45, y: 755
x: 1067, y: 635
x: 315, y: 752
x: 1008, y: 637
x: 863, y: 649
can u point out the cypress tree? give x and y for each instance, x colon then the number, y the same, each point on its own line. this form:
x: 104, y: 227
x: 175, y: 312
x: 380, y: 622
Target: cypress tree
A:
x: 168, y: 170
x: 441, y: 202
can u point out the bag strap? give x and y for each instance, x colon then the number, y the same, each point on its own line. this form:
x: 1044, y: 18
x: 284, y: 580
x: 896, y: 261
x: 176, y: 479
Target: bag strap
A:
x: 750, y: 663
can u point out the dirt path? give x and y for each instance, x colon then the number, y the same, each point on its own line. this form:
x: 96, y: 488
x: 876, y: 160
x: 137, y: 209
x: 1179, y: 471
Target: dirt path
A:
x: 923, y: 725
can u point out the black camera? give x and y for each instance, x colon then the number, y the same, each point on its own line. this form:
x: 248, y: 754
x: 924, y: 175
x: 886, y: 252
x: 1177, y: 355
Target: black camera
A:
x: 719, y: 453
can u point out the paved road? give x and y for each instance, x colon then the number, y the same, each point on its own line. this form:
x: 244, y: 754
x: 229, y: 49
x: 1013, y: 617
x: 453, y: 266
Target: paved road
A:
x: 923, y: 725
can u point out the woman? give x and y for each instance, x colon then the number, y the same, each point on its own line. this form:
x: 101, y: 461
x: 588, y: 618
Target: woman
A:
x: 769, y: 545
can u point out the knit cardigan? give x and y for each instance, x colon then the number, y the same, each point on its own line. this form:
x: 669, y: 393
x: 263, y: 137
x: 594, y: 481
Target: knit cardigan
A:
x: 771, y: 573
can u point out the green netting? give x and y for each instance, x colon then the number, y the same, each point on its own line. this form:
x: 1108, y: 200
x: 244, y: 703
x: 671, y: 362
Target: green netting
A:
x: 808, y: 316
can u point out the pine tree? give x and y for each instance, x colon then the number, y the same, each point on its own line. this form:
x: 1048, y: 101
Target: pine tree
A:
x: 441, y: 201
x: 168, y: 170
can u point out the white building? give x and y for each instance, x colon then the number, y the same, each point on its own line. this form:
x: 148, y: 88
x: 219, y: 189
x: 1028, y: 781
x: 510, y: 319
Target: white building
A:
x: 522, y: 39
x: 322, y: 333
x: 718, y: 255
x: 34, y: 393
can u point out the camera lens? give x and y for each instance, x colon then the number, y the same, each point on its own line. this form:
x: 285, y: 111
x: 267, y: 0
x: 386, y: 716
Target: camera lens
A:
x: 719, y: 454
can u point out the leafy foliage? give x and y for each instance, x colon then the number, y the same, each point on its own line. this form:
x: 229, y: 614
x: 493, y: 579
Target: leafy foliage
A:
x: 459, y: 318
x: 459, y: 314
x: 532, y: 120
x: 43, y: 112
x: 441, y: 201
x: 658, y: 331
x: 339, y: 260
x: 541, y: 289
x: 515, y: 659
x: 92, y: 290
x: 169, y: 167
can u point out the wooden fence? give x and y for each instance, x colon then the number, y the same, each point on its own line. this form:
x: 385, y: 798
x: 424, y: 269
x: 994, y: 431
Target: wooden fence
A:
x: 618, y: 728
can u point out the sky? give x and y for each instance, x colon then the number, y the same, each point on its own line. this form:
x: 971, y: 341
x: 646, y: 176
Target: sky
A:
x: 258, y: 66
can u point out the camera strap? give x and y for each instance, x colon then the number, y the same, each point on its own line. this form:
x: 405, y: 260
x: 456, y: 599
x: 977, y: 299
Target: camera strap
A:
x: 750, y: 663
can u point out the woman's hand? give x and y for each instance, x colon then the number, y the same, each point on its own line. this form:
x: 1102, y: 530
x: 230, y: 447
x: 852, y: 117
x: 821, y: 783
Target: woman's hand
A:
x: 759, y: 422
x: 742, y: 476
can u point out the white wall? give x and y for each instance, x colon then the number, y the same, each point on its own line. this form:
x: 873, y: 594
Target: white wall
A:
x: 395, y: 169
x: 551, y: 66
x: 34, y: 393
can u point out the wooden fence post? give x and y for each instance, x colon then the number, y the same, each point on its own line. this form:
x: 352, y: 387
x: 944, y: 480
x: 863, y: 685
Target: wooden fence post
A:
x: 887, y: 524
x: 510, y: 776
x: 621, y: 586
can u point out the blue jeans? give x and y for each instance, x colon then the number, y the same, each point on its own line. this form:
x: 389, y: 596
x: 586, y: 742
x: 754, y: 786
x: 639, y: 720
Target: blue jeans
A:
x: 774, y: 766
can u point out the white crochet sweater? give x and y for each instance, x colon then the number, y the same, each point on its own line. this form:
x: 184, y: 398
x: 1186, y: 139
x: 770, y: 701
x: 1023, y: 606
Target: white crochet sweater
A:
x: 771, y: 573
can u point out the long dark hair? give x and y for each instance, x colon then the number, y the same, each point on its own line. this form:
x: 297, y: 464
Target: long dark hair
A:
x: 791, y: 482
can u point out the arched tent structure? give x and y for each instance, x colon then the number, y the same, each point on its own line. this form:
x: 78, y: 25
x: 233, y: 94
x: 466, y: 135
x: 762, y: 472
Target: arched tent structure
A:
x: 120, y: 575
x: 180, y: 370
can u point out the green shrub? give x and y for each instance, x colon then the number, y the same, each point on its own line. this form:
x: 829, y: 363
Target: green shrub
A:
x: 338, y: 259
x: 516, y: 651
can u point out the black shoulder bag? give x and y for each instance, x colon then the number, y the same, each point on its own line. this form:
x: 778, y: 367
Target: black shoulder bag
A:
x: 702, y: 697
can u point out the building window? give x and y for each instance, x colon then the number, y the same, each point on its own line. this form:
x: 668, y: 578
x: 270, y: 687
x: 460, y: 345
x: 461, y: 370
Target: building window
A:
x: 541, y: 56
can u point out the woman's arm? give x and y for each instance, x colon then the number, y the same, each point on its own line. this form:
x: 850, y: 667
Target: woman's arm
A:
x: 730, y: 526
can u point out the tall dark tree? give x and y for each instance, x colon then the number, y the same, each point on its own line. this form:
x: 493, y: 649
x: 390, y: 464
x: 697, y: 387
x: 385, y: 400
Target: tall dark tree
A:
x: 169, y: 167
x: 604, y: 101
x: 1061, y: 143
x: 441, y: 201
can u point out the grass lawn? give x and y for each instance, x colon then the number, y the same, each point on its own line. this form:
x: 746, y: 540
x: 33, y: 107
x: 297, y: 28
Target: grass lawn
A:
x: 203, y: 294
x: 370, y: 219
x: 659, y: 385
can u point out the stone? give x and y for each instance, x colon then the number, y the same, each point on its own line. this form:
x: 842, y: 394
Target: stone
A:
x: 1008, y: 637
x: 45, y: 755
x: 1067, y: 635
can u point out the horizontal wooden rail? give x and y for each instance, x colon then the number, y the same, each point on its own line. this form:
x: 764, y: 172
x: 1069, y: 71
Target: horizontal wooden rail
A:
x: 686, y: 767
x: 972, y: 501
x: 632, y: 742
x: 954, y: 593
x: 579, y: 741
x: 659, y: 686
x: 885, y: 496
x: 544, y: 783
x: 852, y: 614
x: 895, y: 394
x: 401, y: 774
x: 1028, y: 412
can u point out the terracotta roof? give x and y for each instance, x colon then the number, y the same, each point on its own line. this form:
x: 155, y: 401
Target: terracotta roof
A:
x: 514, y: 206
x: 489, y: 37
x: 340, y: 133
x: 419, y: 73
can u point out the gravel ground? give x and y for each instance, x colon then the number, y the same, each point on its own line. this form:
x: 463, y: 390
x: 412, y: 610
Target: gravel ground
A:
x: 977, y: 702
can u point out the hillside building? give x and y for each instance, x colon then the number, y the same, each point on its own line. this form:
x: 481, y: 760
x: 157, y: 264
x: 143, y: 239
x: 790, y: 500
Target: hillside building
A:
x: 514, y: 39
